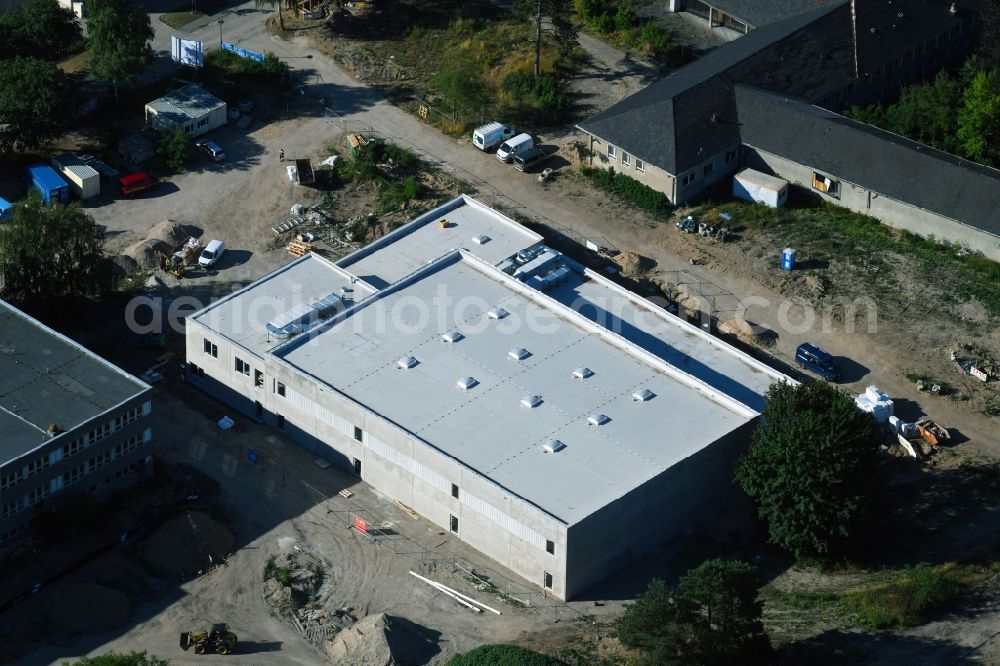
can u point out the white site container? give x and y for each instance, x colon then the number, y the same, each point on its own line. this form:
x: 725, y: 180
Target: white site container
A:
x: 83, y: 180
x: 761, y: 188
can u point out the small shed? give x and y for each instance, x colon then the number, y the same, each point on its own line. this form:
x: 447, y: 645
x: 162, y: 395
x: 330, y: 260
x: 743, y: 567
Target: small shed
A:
x: 136, y: 149
x: 191, y: 108
x: 48, y: 183
x: 84, y: 180
x: 761, y: 188
x: 6, y: 209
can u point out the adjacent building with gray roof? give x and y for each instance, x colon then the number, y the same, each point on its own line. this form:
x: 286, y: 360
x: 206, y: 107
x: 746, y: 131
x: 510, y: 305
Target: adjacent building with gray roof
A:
x: 551, y: 419
x: 69, y: 421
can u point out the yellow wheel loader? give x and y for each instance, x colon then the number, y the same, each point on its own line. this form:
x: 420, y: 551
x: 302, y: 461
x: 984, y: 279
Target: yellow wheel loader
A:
x: 218, y: 639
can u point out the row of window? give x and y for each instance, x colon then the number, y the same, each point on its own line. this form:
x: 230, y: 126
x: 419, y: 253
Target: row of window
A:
x: 707, y: 170
x: 241, y: 366
x: 640, y: 166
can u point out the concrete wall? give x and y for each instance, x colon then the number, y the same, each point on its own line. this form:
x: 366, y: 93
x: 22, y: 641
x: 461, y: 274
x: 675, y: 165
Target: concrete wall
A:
x: 64, y: 456
x: 218, y: 375
x: 672, y: 503
x: 891, y: 211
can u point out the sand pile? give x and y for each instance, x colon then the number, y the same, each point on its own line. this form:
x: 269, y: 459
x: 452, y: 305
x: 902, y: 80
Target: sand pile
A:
x: 124, y: 265
x: 145, y: 253
x: 189, y: 543
x: 632, y: 264
x: 171, y: 233
x: 748, y: 332
x: 381, y: 640
x: 88, y: 607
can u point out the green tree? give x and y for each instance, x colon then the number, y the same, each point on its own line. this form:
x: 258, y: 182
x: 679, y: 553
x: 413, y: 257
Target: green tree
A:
x: 37, y: 102
x: 559, y: 13
x: 51, y: 251
x: 989, y: 45
x: 120, y: 34
x: 979, y: 119
x: 711, y: 617
x: 812, y: 470
x: 461, y: 78
x: 502, y: 655
x: 174, y: 148
x: 120, y: 659
x: 39, y: 29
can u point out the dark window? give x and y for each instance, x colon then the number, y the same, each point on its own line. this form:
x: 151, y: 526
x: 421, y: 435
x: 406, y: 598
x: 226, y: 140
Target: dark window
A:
x: 358, y: 435
x: 279, y: 388
x: 258, y: 409
x: 730, y: 156
x: 709, y: 168
x: 550, y: 547
x: 242, y: 366
x: 258, y: 379
x: 357, y: 467
x: 281, y: 422
x: 826, y: 185
x: 454, y: 524
x: 547, y: 581
x: 211, y: 349
x: 454, y: 490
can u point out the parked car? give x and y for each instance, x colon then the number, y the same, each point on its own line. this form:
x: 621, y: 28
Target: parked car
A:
x: 492, y: 134
x: 212, y: 253
x: 531, y: 158
x: 213, y: 150
x: 813, y: 358
x: 512, y: 147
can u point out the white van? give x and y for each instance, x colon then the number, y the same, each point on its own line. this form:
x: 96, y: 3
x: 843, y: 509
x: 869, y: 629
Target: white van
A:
x: 212, y: 253
x: 515, y: 146
x: 490, y: 135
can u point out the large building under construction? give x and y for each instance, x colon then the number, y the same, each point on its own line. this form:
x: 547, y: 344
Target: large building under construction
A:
x: 69, y: 421
x: 539, y: 412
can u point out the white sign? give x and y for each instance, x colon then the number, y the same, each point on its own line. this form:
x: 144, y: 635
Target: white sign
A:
x: 978, y: 374
x: 187, y: 51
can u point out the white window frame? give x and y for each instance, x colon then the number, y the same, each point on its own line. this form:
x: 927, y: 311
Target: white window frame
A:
x: 210, y: 348
x: 689, y: 178
x: 245, y: 370
x: 612, y: 152
x: 626, y: 158
x: 640, y: 166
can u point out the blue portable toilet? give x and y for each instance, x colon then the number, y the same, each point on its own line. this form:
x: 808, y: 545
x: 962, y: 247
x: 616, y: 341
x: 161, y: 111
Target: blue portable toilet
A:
x: 787, y: 259
x: 6, y: 209
x: 49, y: 184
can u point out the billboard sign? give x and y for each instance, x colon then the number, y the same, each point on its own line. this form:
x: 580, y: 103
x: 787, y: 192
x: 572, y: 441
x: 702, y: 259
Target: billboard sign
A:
x: 242, y: 52
x: 187, y: 51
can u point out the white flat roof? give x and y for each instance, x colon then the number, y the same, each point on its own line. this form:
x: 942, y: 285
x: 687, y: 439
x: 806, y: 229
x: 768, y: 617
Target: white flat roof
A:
x: 406, y: 249
x: 242, y: 316
x: 683, y: 345
x: 486, y: 427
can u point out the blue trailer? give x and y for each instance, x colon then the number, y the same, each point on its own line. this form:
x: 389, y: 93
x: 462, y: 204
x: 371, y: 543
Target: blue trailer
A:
x: 49, y: 184
x: 6, y: 209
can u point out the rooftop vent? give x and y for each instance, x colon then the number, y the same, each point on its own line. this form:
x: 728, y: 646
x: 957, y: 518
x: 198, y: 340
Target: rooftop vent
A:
x: 642, y: 395
x: 518, y: 354
x: 466, y: 383
x: 496, y: 313
x: 406, y: 362
x: 481, y: 239
x: 531, y: 401
x: 553, y: 445
x: 582, y: 373
x: 597, y: 419
x: 452, y: 336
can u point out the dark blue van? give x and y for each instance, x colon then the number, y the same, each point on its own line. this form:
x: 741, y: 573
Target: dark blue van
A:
x: 813, y: 358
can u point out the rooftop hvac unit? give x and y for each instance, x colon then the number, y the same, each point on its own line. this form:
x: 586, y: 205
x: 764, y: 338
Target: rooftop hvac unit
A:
x: 481, y: 239
x: 582, y: 373
x: 553, y: 445
x: 299, y: 318
x: 531, y: 401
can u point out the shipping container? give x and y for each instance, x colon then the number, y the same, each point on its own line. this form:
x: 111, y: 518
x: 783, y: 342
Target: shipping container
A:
x: 49, y: 184
x: 761, y: 188
x: 6, y: 209
x: 84, y: 180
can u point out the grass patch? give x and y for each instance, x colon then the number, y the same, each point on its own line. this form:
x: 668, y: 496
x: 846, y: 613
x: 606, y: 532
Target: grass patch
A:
x: 629, y: 190
x: 912, y: 597
x: 180, y: 19
x: 243, y: 72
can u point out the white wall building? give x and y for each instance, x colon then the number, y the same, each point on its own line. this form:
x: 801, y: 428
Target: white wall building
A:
x: 191, y: 108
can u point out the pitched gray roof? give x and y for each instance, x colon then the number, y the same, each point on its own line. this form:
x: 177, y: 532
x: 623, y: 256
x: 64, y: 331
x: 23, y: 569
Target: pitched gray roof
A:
x: 670, y: 123
x: 762, y: 12
x: 870, y: 157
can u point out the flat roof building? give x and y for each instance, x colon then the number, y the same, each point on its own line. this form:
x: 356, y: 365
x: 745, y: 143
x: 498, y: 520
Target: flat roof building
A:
x: 489, y: 394
x: 68, y: 418
x: 191, y: 108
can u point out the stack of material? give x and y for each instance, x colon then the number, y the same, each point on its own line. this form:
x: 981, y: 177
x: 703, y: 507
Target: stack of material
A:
x: 875, y: 402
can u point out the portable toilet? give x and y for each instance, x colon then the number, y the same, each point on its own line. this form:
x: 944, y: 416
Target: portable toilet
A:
x: 787, y: 259
x: 49, y: 184
x: 6, y: 209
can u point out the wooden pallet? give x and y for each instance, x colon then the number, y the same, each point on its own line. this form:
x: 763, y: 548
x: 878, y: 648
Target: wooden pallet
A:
x: 346, y: 493
x: 298, y: 248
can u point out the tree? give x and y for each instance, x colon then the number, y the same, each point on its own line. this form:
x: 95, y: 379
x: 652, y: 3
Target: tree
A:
x: 50, y: 251
x: 120, y: 35
x: 711, y: 617
x: 39, y: 29
x: 502, y: 655
x: 462, y: 80
x: 989, y: 46
x: 120, y: 659
x: 559, y: 13
x: 812, y: 470
x: 174, y: 148
x: 37, y: 102
x: 979, y: 118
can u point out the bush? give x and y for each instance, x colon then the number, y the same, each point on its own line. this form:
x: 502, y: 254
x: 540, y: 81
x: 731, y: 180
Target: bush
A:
x: 173, y: 148
x: 908, y: 601
x: 543, y: 93
x: 629, y: 189
x: 502, y: 655
x: 225, y: 64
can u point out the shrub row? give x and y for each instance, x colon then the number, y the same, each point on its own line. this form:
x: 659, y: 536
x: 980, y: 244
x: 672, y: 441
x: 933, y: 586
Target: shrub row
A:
x: 629, y: 189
